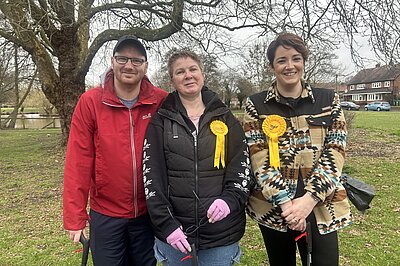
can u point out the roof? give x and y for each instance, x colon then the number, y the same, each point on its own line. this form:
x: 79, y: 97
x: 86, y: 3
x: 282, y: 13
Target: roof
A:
x: 369, y: 75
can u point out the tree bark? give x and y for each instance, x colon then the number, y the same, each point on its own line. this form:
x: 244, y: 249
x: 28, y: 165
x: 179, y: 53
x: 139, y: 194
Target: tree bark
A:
x: 69, y: 93
x: 12, y: 118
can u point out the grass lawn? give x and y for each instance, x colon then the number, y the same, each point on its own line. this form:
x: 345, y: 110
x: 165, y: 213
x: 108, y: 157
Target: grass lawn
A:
x: 388, y: 122
x: 27, y: 110
x: 31, y: 166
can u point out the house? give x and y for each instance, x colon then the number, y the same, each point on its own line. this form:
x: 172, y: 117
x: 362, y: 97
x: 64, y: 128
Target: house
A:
x: 374, y: 84
x: 339, y: 88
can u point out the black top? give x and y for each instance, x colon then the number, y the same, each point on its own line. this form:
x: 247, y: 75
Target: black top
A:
x: 181, y: 181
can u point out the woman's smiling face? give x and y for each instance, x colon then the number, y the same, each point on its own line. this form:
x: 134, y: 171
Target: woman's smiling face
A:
x: 288, y: 67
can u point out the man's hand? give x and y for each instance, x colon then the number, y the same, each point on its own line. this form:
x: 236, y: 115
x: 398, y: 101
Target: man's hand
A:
x: 75, y: 235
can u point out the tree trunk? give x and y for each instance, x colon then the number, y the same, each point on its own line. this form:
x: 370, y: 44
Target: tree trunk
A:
x: 12, y: 118
x: 65, y: 100
x: 70, y: 83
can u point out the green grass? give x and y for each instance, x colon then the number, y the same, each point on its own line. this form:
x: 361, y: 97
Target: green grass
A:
x: 376, y: 233
x: 379, y: 121
x: 27, y: 110
x: 31, y: 167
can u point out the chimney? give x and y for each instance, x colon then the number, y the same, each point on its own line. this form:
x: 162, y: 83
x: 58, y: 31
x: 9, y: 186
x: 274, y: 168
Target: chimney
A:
x: 377, y: 65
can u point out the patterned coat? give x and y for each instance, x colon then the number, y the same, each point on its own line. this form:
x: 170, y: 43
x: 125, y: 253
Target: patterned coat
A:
x: 312, y: 148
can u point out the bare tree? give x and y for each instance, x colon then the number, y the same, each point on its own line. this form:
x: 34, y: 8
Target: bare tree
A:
x: 332, y: 23
x: 244, y: 89
x: 228, y: 86
x: 14, y: 82
x: 6, y: 76
x: 63, y: 36
x: 255, y: 67
x: 10, y: 121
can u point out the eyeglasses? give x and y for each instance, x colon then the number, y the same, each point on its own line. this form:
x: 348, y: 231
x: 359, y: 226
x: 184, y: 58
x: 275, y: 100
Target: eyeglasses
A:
x: 193, y: 228
x: 122, y: 60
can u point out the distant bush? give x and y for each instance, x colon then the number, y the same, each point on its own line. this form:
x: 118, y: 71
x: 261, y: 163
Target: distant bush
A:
x: 349, y: 116
x: 36, y: 98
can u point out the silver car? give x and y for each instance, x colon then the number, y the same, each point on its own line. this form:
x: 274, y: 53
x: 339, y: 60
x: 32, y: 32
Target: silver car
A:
x: 377, y: 106
x: 349, y: 106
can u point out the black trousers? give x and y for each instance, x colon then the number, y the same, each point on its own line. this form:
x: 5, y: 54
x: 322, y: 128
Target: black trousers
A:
x: 121, y: 242
x: 281, y: 246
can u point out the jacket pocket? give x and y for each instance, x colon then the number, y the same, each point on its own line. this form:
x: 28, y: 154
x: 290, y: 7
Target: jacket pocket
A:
x: 318, y: 127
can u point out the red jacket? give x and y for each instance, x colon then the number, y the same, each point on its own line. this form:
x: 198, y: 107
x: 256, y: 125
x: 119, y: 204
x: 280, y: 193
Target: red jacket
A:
x: 104, y: 154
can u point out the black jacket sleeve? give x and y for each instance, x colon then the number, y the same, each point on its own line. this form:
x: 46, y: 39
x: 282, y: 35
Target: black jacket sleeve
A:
x: 238, y: 172
x: 155, y: 180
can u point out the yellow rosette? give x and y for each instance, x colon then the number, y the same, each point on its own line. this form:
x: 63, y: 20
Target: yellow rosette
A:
x: 274, y: 126
x: 219, y: 129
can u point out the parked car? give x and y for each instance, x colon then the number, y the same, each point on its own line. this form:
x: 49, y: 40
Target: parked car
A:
x: 377, y: 106
x: 349, y: 106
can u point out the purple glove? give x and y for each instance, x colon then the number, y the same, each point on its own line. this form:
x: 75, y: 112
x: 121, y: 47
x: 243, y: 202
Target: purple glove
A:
x: 177, y: 240
x: 218, y: 211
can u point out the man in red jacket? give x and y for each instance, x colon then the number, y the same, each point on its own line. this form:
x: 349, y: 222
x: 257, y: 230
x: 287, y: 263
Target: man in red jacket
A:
x: 104, y: 160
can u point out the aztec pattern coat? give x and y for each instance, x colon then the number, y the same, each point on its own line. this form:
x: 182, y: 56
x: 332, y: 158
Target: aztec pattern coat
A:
x: 312, y: 148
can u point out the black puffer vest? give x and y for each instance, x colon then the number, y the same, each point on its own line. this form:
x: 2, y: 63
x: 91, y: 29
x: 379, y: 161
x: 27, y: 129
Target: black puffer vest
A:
x: 193, y: 182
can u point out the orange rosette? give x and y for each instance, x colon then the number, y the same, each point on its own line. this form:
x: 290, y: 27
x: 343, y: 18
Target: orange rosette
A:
x: 274, y: 126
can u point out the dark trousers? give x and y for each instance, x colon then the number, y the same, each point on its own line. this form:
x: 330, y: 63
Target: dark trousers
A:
x: 122, y: 242
x: 281, y: 246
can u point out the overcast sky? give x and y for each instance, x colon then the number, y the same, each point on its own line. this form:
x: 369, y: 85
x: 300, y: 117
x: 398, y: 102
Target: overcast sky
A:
x: 103, y: 58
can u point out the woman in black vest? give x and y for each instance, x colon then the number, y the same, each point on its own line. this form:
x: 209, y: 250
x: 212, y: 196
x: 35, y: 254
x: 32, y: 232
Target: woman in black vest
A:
x: 196, y: 171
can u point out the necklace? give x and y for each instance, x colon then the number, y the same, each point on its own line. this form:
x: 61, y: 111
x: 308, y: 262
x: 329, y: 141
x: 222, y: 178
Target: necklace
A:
x: 196, y: 113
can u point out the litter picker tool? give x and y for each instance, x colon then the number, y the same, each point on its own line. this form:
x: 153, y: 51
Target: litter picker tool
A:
x: 85, y: 249
x: 308, y: 236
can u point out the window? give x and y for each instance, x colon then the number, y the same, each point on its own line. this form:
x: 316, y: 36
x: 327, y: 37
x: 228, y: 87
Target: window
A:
x: 357, y: 97
x: 386, y: 84
x: 376, y: 85
x: 360, y: 86
x: 351, y: 87
x: 374, y: 97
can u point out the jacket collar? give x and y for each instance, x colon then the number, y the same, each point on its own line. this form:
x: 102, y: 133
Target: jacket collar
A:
x: 172, y: 108
x: 146, y: 93
x: 173, y: 102
x: 272, y: 92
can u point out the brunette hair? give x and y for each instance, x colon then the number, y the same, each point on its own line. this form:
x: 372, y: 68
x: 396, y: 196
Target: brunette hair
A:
x: 183, y: 54
x: 286, y: 40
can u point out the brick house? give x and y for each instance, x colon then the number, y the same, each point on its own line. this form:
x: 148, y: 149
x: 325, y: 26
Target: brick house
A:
x: 381, y: 83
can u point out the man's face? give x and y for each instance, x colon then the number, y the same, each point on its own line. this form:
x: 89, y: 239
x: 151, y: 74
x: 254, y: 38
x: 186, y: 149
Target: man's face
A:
x: 126, y: 74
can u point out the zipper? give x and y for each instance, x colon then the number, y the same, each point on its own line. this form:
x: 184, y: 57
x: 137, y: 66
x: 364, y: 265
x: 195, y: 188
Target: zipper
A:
x: 196, y: 205
x: 134, y: 166
x: 194, y: 134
